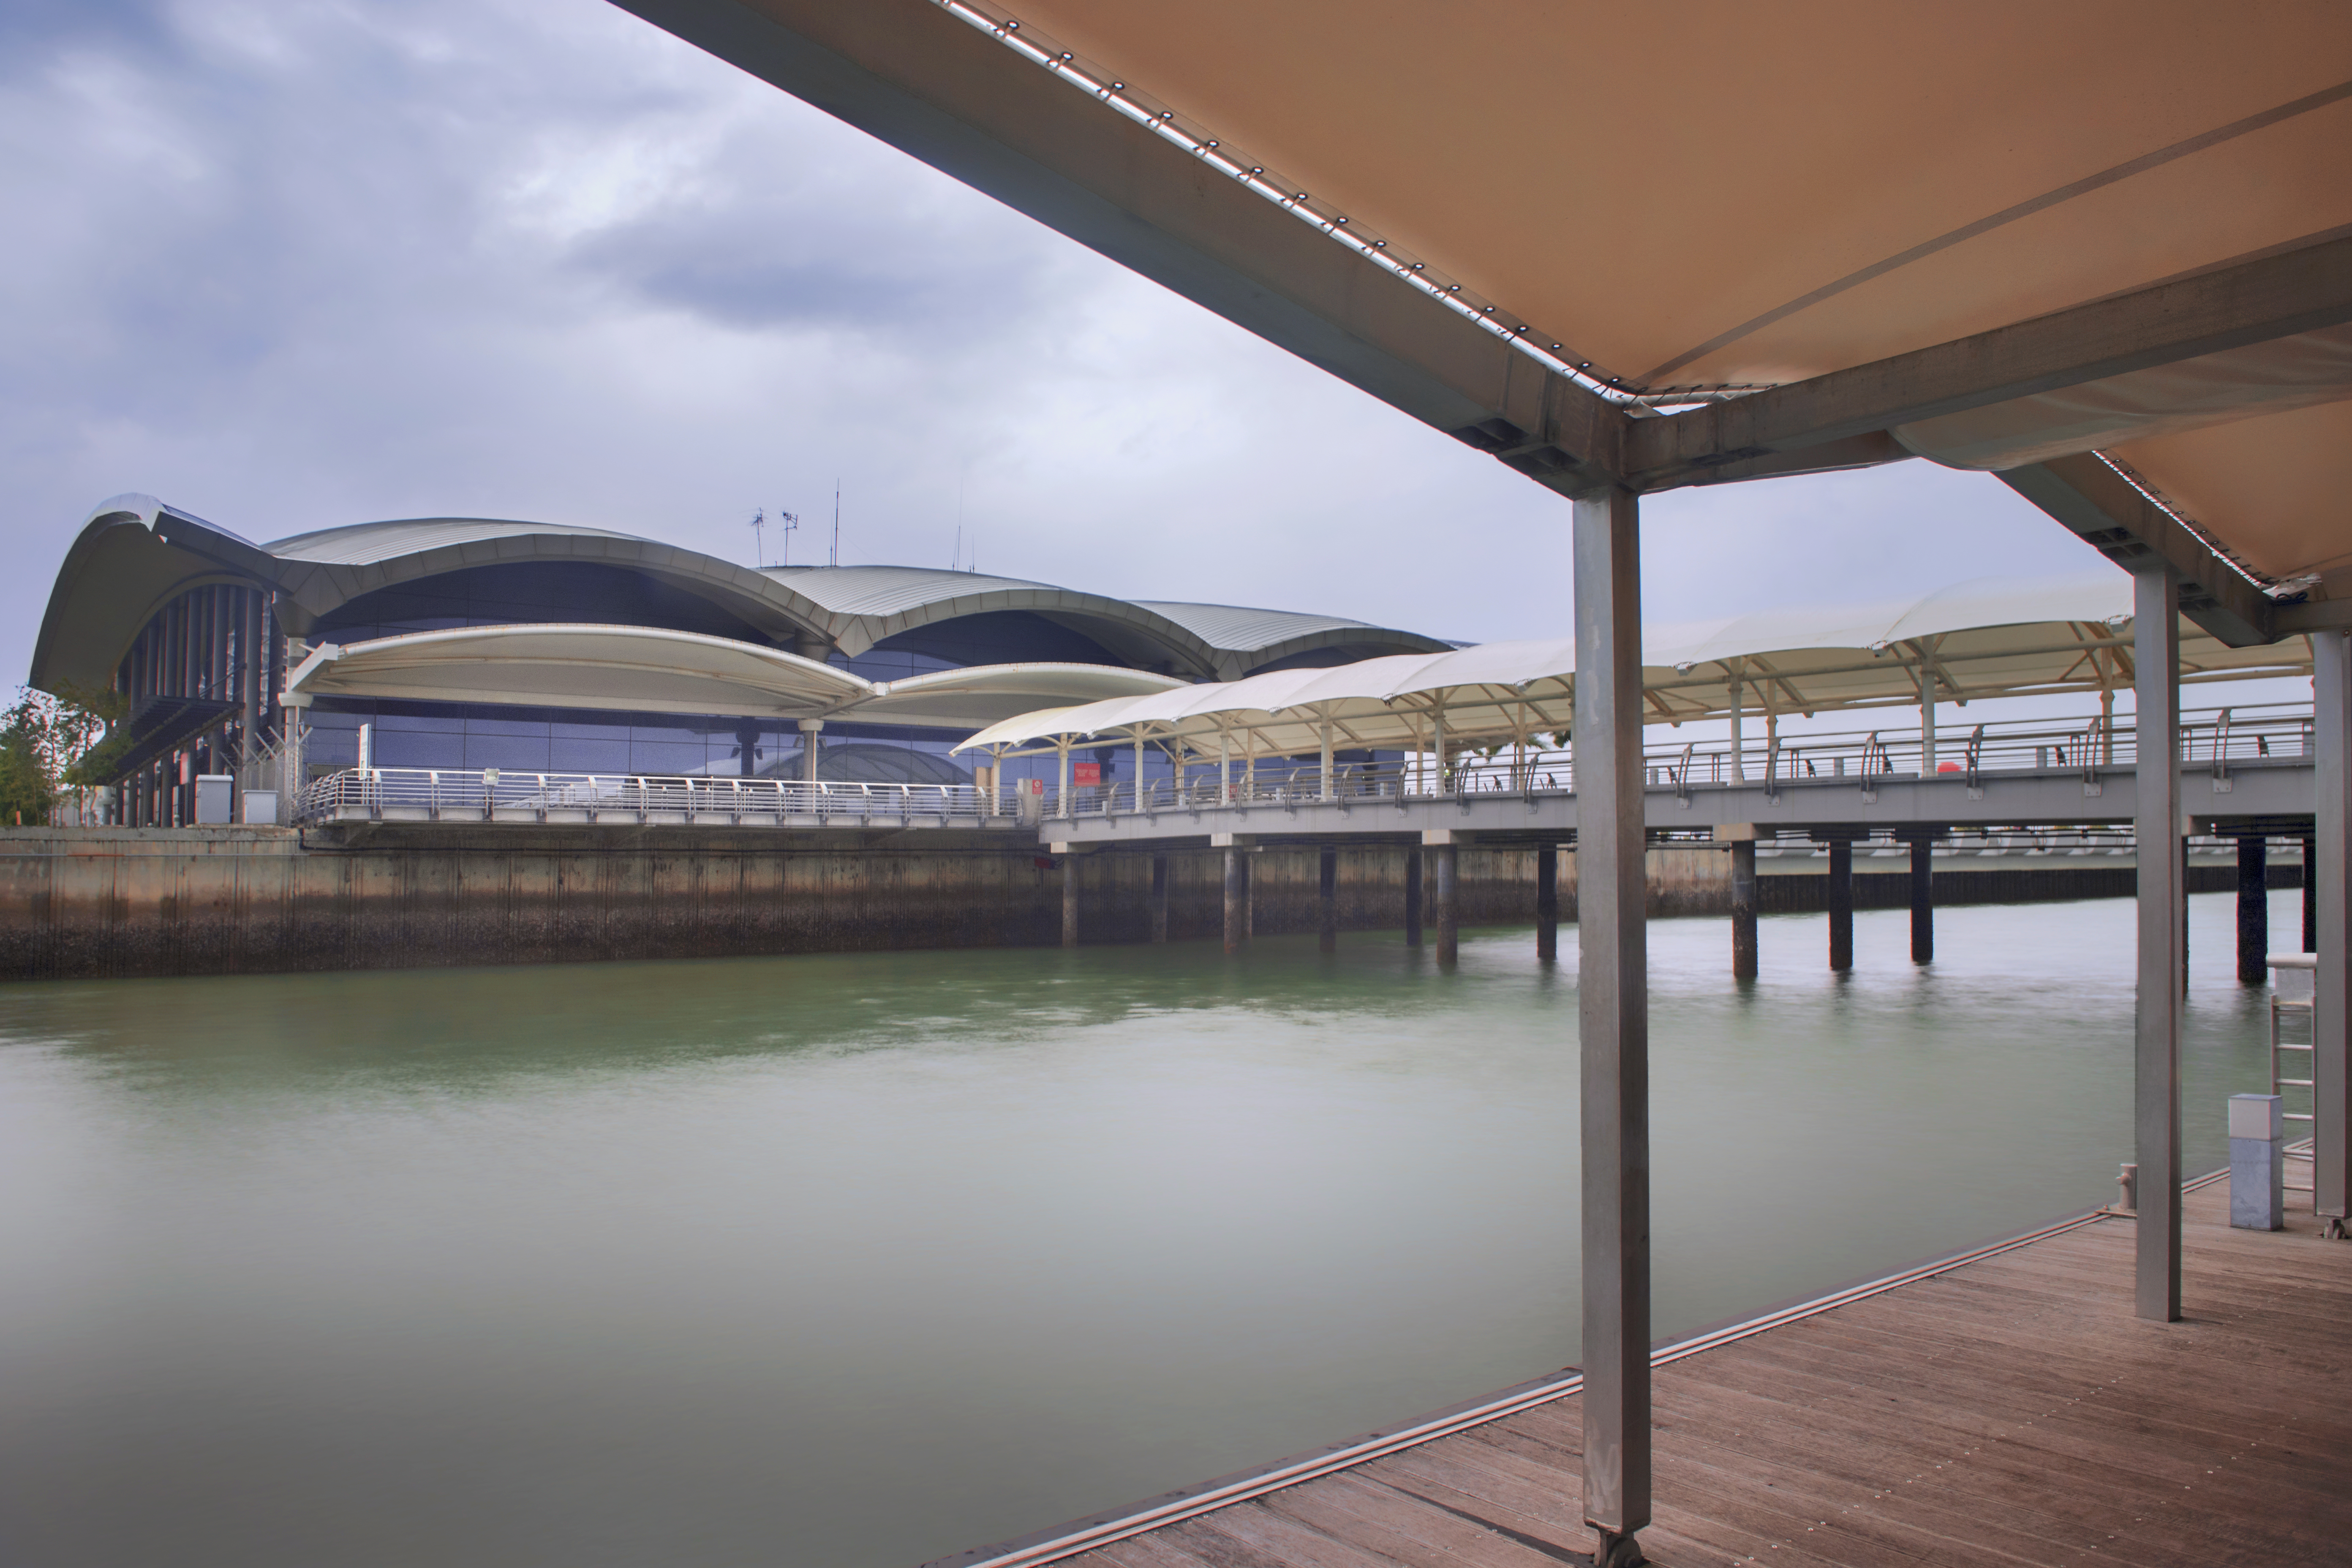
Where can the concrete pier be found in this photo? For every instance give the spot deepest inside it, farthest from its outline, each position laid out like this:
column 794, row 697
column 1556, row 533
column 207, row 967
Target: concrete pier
column 1327, row 876
column 1160, row 898
column 1841, row 904
column 1923, row 898
column 2253, row 910
column 1444, row 862
column 1743, row 909
column 1069, row 901
column 1236, row 892
column 1414, row 860
column 1547, row 904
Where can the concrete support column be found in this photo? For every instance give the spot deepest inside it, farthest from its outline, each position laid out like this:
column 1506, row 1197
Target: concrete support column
column 1069, row 899
column 1160, row 898
column 1412, row 869
column 809, row 746
column 1444, row 863
column 1236, row 871
column 1841, row 904
column 2253, row 910
column 1923, row 899
column 2331, row 871
column 1613, row 1022
column 1249, row 897
column 1743, row 909
column 1548, row 903
column 2156, row 650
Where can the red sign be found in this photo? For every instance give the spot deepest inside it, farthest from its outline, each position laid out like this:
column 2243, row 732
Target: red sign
column 1085, row 773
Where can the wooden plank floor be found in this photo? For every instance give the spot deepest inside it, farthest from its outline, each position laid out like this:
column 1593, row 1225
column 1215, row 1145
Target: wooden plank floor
column 2012, row 1411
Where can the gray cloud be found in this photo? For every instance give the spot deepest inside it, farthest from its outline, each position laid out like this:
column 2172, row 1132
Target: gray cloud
column 292, row 263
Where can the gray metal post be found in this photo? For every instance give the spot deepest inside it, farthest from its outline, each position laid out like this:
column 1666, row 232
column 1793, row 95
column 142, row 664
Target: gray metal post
column 1234, row 872
column 1923, row 899
column 1743, row 909
column 1160, row 898
column 2310, row 894
column 1444, row 863
column 1613, row 1022
column 1412, row 868
column 1840, row 892
column 2156, row 650
column 2254, row 909
column 1069, row 901
column 1548, row 903
column 2331, row 873
column 1328, row 895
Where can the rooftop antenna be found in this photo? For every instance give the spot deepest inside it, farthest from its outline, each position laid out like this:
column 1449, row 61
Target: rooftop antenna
column 836, row 522
column 955, row 561
column 788, row 523
column 759, row 540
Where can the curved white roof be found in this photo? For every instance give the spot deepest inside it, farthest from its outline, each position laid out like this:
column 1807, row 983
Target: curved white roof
column 134, row 554
column 654, row 670
column 1989, row 638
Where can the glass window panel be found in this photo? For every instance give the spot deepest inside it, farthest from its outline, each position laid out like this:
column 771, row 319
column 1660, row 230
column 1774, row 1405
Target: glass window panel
column 573, row 755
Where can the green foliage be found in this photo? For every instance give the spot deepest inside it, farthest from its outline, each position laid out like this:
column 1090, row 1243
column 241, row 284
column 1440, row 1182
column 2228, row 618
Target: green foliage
column 49, row 743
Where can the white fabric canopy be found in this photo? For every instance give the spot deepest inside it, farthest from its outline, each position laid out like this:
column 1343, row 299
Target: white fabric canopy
column 1989, row 638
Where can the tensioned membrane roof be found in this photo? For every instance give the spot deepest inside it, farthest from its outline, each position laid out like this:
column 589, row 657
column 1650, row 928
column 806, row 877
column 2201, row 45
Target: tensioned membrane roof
column 1722, row 241
column 134, row 554
column 652, row 670
column 1991, row 637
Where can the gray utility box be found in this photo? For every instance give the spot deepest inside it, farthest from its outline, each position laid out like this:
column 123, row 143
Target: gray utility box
column 260, row 807
column 215, row 803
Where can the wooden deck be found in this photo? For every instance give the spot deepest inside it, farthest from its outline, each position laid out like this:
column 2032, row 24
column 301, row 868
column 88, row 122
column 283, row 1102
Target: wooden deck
column 2007, row 1411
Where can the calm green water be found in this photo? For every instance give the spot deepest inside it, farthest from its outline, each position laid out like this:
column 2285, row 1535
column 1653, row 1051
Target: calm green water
column 860, row 1261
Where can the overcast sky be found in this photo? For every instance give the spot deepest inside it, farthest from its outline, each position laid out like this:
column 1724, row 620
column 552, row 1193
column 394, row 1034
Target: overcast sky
column 290, row 264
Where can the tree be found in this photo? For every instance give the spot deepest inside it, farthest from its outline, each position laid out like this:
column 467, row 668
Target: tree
column 53, row 743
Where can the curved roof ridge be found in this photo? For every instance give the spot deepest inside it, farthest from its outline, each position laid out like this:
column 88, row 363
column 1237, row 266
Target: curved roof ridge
column 421, row 532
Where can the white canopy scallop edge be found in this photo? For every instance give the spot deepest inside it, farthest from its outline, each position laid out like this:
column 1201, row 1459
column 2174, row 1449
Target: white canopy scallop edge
column 653, row 670
column 1985, row 638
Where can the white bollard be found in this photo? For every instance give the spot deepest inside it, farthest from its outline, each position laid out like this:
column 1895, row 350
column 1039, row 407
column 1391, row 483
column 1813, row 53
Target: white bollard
column 2257, row 1162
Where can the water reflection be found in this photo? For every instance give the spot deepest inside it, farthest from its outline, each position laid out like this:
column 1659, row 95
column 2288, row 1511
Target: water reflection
column 859, row 1259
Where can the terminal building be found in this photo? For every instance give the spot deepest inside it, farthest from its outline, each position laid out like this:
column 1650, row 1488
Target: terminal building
column 469, row 643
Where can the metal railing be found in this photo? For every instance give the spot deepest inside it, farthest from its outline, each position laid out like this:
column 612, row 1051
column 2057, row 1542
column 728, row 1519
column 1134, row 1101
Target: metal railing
column 2218, row 736
column 499, row 795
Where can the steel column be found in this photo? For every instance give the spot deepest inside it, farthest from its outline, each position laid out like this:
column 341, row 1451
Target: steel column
column 1412, row 869
column 2331, row 691
column 1743, row 909
column 1613, row 1021
column 1548, row 903
column 1328, row 891
column 1234, row 872
column 1922, row 900
column 2310, row 894
column 1445, row 861
column 2253, row 910
column 1841, row 898
column 2156, row 651
column 1160, row 898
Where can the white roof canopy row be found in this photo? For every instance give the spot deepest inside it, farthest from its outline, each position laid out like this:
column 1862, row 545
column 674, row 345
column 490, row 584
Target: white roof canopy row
column 2104, row 248
column 1992, row 638
column 650, row 670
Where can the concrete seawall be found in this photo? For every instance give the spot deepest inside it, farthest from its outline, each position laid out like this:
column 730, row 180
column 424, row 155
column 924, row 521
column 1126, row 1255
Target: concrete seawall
column 92, row 903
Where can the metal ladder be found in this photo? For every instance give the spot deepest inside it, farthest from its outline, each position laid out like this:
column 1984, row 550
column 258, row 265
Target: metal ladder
column 2294, row 976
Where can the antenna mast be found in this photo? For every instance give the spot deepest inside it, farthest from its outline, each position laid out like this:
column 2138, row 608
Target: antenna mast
column 789, row 523
column 836, row 522
column 758, row 538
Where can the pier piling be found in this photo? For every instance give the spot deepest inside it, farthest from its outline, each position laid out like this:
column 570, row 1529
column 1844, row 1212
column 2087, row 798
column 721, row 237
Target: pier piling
column 1923, row 899
column 1160, row 898
column 1413, row 872
column 1743, row 909
column 1069, row 901
column 1444, row 860
column 2253, row 910
column 1328, row 890
column 1840, row 901
column 1547, row 904
column 1236, row 869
